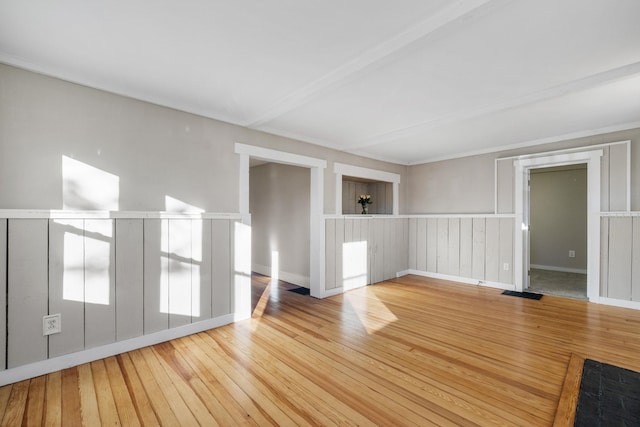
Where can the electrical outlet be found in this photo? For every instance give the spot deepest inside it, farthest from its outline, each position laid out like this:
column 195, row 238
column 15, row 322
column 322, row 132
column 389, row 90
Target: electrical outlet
column 505, row 266
column 572, row 254
column 52, row 324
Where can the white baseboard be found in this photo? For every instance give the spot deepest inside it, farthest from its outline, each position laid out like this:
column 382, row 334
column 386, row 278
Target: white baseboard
column 465, row 280
column 296, row 279
column 618, row 303
column 43, row 367
column 562, row 269
column 331, row 292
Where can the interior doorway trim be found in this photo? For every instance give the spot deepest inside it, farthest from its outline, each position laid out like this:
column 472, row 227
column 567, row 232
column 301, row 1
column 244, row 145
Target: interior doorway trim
column 523, row 165
column 316, row 232
column 341, row 169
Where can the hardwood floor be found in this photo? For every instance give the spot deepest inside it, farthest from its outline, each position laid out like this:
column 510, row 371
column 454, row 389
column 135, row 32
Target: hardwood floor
column 411, row 351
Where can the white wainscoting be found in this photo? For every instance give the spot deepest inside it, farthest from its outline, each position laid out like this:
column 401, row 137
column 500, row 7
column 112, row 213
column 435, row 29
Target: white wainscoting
column 469, row 248
column 363, row 249
column 113, row 277
column 620, row 258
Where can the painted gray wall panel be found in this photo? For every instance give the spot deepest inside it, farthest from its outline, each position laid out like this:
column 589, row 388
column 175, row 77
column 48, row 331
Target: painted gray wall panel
column 129, row 278
column 466, row 247
column 222, row 284
column 413, row 247
column 635, row 262
column 378, row 252
column 432, row 244
column 339, row 246
column 156, row 275
column 389, row 248
column 604, row 256
column 99, row 282
column 27, row 291
column 505, row 180
column 604, row 180
column 421, row 244
column 443, row 246
column 402, row 252
column 506, row 250
column 201, row 270
column 618, row 177
column 479, row 243
column 66, row 284
column 3, row 294
column 179, row 272
column 454, row 247
column 492, row 250
column 620, row 258
column 330, row 254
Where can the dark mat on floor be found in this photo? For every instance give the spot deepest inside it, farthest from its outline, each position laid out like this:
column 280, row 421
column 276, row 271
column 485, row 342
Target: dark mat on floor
column 609, row 396
column 527, row 295
column 301, row 291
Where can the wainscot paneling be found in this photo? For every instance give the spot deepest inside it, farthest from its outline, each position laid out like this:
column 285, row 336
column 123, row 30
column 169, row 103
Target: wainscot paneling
column 620, row 257
column 111, row 277
column 465, row 246
column 364, row 250
column 27, row 290
column 3, row 293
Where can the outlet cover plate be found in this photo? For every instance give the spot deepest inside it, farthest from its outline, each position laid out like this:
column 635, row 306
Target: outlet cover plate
column 52, row 324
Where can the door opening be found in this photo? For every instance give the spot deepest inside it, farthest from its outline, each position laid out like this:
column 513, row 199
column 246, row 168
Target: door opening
column 557, row 225
column 523, row 166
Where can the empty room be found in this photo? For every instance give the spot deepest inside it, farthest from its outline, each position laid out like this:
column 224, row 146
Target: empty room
column 320, row 213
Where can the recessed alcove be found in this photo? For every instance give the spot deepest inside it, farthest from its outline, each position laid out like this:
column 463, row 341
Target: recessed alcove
column 381, row 195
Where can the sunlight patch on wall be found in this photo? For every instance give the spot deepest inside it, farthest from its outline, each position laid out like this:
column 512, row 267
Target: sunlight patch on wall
column 85, row 187
column 275, row 268
column 97, row 258
column 73, row 261
column 242, row 269
column 354, row 265
column 176, row 205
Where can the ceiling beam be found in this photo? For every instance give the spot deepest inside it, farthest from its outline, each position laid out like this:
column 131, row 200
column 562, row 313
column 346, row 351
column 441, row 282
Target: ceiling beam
column 370, row 57
column 574, row 86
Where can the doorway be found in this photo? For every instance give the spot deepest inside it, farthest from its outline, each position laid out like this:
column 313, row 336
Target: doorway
column 316, row 204
column 523, row 166
column 558, row 231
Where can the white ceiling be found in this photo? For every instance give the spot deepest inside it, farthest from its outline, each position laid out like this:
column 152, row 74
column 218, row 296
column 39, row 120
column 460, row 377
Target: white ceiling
column 407, row 81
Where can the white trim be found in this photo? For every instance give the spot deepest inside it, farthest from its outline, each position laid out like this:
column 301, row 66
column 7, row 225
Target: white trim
column 619, row 303
column 561, row 269
column 285, row 276
column 332, row 292
column 522, row 166
column 479, row 215
column 630, row 213
column 458, row 279
column 316, row 202
column 342, row 169
column 628, row 176
column 279, row 156
column 66, row 214
column 43, row 367
column 360, row 172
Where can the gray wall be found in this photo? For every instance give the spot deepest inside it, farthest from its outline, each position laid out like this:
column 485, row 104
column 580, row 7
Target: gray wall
column 279, row 205
column 154, row 151
column 559, row 218
column 466, row 185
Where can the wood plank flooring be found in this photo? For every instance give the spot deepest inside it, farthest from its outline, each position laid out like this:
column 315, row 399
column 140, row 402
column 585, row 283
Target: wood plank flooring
column 411, row 351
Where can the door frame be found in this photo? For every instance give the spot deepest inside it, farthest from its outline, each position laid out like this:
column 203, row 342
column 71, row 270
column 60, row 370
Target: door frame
column 523, row 166
column 316, row 211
